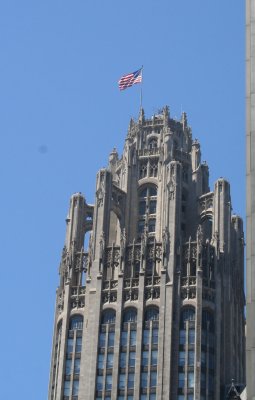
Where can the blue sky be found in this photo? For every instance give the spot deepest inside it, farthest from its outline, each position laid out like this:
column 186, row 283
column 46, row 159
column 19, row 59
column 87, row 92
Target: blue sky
column 62, row 113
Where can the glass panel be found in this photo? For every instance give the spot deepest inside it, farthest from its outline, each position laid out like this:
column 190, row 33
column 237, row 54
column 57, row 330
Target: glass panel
column 152, row 225
column 182, row 337
column 69, row 348
column 180, row 397
column 77, row 363
column 141, row 226
column 181, row 358
column 152, row 396
column 153, row 382
column 75, row 388
column 143, row 193
column 203, row 380
column 191, row 358
column 152, row 314
column 131, row 379
column 78, row 345
column 130, row 315
column 102, row 337
column 152, row 191
column 99, row 383
column 109, row 362
column 108, row 317
column 68, row 368
column 203, row 359
column 143, row 397
column 191, row 379
column 211, row 383
column 153, row 207
column 67, row 388
column 211, row 361
column 132, row 338
column 132, row 357
column 123, row 338
column 76, row 322
column 108, row 382
column 146, row 336
column 211, row 340
column 144, row 379
column 191, row 336
column 142, row 207
column 123, row 358
column 181, row 379
column 191, row 397
column 122, row 378
column 121, row 397
column 145, row 358
column 203, row 338
column 111, row 339
column 100, row 361
column 154, row 357
column 154, row 336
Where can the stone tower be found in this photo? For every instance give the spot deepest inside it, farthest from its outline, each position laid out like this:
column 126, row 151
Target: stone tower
column 250, row 195
column 154, row 307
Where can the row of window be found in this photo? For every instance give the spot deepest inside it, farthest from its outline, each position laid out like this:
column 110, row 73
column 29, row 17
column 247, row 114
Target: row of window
column 127, row 355
column 187, row 353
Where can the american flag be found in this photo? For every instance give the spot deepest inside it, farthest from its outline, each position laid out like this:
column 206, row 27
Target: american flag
column 130, row 79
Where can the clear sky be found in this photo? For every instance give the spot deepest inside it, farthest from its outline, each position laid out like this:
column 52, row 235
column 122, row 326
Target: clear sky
column 61, row 113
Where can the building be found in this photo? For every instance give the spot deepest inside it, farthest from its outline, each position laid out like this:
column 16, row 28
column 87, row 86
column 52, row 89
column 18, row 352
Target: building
column 250, row 196
column 154, row 308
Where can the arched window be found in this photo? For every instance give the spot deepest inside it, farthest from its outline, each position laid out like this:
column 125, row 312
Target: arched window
column 105, row 353
column 108, row 317
column 76, row 322
column 149, row 364
column 186, row 353
column 153, row 143
column 127, row 355
column 208, row 354
column 147, row 209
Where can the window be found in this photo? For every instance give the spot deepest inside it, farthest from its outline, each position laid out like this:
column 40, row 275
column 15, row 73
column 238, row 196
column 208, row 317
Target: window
column 207, row 352
column 99, row 383
column 132, row 357
column 130, row 315
column 108, row 384
column 67, row 388
column 108, row 317
column 76, row 322
column 75, row 388
column 186, row 350
column 123, row 360
column 78, row 344
column 105, row 344
column 131, row 380
column 145, row 358
column 109, row 362
column 132, row 338
column 153, row 381
column 122, row 379
column 124, row 338
column 153, row 143
column 151, row 314
column 69, row 347
column 77, row 363
column 111, row 339
column 147, row 208
column 100, row 361
column 144, row 379
column 154, row 357
column 68, row 367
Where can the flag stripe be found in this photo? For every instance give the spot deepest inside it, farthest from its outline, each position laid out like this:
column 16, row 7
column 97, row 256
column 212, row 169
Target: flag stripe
column 130, row 79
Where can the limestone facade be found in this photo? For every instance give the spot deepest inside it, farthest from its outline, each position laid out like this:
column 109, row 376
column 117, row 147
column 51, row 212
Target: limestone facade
column 154, row 307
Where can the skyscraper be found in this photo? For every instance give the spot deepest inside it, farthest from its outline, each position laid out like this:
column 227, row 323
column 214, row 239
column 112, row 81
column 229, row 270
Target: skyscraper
column 154, row 307
column 250, row 195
